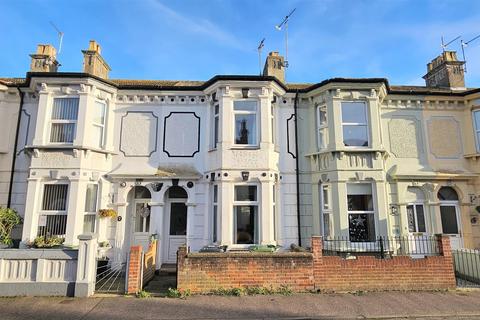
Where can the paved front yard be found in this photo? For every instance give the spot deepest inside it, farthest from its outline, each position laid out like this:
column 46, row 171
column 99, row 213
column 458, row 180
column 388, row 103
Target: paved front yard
column 398, row 305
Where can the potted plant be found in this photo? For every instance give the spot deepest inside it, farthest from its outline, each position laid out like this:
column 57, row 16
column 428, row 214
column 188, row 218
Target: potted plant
column 47, row 242
column 9, row 218
column 107, row 213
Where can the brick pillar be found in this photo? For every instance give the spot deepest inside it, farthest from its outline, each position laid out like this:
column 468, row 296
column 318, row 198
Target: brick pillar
column 317, row 247
column 181, row 269
column 134, row 270
column 317, row 261
column 446, row 251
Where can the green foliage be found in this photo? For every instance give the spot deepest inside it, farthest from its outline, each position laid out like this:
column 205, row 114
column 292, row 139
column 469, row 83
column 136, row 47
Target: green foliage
column 47, row 242
column 143, row 294
column 178, row 293
column 251, row 291
column 284, row 290
column 9, row 218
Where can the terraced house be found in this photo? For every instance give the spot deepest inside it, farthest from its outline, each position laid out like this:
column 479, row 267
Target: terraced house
column 238, row 160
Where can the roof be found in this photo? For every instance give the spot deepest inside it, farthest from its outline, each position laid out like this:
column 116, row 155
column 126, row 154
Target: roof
column 134, row 84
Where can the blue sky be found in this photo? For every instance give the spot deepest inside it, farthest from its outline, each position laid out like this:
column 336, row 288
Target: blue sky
column 195, row 40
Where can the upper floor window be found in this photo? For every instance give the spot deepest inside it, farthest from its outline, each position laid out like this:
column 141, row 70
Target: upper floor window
column 216, row 125
column 321, row 127
column 99, row 124
column 245, row 112
column 272, row 120
column 355, row 124
column 476, row 122
column 63, row 120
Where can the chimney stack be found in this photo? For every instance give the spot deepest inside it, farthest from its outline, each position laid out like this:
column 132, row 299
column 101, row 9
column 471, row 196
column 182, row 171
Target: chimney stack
column 274, row 66
column 45, row 59
column 93, row 62
column 445, row 71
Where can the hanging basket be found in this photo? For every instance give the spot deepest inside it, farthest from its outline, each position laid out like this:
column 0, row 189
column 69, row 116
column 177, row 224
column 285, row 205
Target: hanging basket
column 107, row 213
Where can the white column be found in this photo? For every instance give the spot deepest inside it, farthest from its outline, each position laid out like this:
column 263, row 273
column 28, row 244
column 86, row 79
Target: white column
column 75, row 211
column 120, row 247
column 225, row 205
column 110, row 123
column 263, row 112
column 84, row 123
column 32, row 208
column 266, row 219
column 190, row 222
column 317, row 211
column 43, row 116
column 86, row 266
column 156, row 227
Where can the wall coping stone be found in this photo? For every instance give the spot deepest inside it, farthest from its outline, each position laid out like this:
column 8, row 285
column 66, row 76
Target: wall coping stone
column 31, row 254
column 250, row 255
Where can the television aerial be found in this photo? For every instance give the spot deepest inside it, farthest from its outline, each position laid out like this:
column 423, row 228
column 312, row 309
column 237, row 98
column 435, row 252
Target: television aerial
column 463, row 45
column 284, row 25
column 259, row 48
column 60, row 37
column 445, row 45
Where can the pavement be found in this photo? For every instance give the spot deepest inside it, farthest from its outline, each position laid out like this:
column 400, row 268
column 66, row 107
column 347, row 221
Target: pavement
column 376, row 305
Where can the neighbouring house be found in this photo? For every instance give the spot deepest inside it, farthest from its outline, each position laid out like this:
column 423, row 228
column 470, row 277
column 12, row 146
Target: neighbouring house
column 238, row 160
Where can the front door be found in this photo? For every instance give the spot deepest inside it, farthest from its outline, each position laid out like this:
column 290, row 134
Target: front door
column 176, row 229
column 141, row 224
column 449, row 215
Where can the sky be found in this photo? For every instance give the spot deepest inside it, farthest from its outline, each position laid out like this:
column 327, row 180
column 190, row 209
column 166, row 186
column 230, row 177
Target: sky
column 198, row 39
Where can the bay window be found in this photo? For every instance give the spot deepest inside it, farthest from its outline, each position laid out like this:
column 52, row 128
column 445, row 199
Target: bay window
column 245, row 114
column 321, row 127
column 63, row 120
column 98, row 124
column 215, row 213
column 245, row 208
column 355, row 124
column 326, row 210
column 91, row 196
column 53, row 217
column 216, row 125
column 361, row 214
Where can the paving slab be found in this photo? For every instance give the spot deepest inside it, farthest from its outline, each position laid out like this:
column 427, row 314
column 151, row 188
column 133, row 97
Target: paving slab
column 384, row 305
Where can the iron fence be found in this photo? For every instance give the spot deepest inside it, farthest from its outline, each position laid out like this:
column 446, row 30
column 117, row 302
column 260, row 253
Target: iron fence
column 467, row 267
column 111, row 277
column 383, row 247
column 53, row 225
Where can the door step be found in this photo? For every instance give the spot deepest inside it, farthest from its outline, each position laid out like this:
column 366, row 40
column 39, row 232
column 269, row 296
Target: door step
column 168, row 269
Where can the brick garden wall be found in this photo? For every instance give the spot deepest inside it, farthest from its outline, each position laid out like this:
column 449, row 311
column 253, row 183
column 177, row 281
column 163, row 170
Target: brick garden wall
column 204, row 272
column 140, row 271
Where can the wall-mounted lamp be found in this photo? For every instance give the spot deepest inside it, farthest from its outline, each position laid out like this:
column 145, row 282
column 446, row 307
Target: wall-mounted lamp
column 245, row 175
column 245, row 93
column 393, row 210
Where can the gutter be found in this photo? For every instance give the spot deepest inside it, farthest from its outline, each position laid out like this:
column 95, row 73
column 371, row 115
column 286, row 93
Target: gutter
column 297, row 174
column 14, row 156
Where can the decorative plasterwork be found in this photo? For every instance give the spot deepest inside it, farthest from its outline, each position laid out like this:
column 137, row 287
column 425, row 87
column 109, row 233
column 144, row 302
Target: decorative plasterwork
column 181, row 134
column 418, row 104
column 138, row 134
column 440, row 131
column 161, row 99
column 405, row 136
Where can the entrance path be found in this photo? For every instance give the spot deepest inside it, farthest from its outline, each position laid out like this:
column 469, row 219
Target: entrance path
column 391, row 305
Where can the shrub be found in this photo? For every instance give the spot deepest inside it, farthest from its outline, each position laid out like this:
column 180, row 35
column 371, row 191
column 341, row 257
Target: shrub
column 9, row 218
column 47, row 242
column 107, row 213
column 178, row 293
column 143, row 294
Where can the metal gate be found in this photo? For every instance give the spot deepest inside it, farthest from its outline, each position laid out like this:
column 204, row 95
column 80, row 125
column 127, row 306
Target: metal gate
column 111, row 277
column 467, row 267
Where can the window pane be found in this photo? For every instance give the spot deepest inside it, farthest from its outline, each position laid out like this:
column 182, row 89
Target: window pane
column 215, row 193
column 359, row 202
column 322, row 117
column 245, row 105
column 361, row 227
column 245, row 131
column 99, row 112
column 245, row 193
column 214, row 233
column 142, row 217
column 215, row 134
column 326, row 225
column 354, row 112
column 447, row 193
column 55, row 225
column 325, row 197
column 476, row 116
column 217, row 109
column 97, row 136
column 449, row 219
column 91, row 198
column 178, row 219
column 412, row 226
column 55, row 197
column 142, row 193
column 177, row 192
column 62, row 132
column 246, row 224
column 420, row 218
column 355, row 136
column 65, row 109
column 321, row 138
column 89, row 223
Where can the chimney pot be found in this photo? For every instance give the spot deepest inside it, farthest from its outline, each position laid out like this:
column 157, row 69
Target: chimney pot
column 93, row 62
column 445, row 71
column 275, row 66
column 45, row 59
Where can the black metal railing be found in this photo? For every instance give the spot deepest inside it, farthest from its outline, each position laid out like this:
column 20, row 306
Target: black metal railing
column 383, row 247
column 467, row 267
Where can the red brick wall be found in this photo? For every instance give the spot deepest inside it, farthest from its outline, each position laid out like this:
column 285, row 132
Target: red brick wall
column 204, row 272
column 134, row 270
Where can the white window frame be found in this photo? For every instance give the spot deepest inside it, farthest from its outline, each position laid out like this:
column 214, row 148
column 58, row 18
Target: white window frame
column 215, row 213
column 57, row 121
column 477, row 130
column 92, row 213
column 43, row 212
column 322, row 128
column 326, row 209
column 257, row 123
column 275, row 211
column 415, row 216
column 273, row 129
column 366, row 124
column 215, row 129
column 101, row 125
column 256, row 232
column 372, row 212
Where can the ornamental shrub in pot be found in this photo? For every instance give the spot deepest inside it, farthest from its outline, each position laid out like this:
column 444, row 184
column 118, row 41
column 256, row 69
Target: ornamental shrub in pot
column 9, row 218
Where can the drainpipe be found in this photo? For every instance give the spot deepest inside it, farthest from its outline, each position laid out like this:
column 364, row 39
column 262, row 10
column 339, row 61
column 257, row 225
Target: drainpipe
column 299, row 229
column 14, row 157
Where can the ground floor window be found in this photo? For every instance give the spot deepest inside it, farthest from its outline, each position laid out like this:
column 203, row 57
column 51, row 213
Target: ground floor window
column 246, row 214
column 53, row 217
column 416, row 218
column 215, row 213
column 142, row 217
column 361, row 214
column 91, row 196
column 326, row 210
